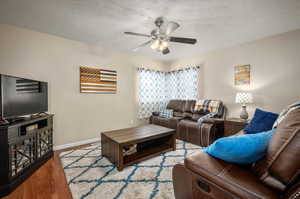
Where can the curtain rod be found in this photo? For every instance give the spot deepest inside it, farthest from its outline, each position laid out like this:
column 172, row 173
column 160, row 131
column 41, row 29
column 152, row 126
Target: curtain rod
column 181, row 69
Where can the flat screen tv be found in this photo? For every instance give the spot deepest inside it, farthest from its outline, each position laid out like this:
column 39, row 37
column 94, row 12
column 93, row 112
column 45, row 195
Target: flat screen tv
column 19, row 97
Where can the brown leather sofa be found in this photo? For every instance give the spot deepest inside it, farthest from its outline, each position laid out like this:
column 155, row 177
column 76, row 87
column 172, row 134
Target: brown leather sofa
column 186, row 126
column 275, row 176
column 178, row 107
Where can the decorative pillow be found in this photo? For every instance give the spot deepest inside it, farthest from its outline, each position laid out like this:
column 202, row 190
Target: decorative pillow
column 166, row 113
column 208, row 106
column 262, row 121
column 243, row 149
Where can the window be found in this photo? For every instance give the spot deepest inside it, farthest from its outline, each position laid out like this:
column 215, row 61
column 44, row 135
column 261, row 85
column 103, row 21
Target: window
column 152, row 95
column 156, row 88
column 183, row 84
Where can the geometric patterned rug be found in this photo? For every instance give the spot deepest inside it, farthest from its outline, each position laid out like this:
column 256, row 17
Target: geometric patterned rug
column 90, row 175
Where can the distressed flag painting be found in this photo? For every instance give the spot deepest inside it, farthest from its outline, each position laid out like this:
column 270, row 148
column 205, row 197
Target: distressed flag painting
column 96, row 80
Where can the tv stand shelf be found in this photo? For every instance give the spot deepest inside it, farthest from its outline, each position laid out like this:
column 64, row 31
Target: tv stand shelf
column 24, row 147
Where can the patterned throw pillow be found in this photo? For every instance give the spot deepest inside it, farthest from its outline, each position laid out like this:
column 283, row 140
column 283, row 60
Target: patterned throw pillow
column 212, row 106
column 166, row 113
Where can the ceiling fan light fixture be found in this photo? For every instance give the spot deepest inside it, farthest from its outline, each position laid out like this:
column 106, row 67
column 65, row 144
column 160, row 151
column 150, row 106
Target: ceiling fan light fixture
column 155, row 45
column 160, row 36
column 165, row 44
column 162, row 47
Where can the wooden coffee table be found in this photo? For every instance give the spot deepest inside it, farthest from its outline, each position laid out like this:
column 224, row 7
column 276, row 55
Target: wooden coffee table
column 113, row 142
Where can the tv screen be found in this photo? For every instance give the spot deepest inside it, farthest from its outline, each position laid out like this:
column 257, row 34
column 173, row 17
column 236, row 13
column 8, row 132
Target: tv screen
column 22, row 96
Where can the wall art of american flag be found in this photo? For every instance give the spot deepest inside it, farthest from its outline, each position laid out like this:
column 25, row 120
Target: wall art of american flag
column 96, row 80
column 27, row 86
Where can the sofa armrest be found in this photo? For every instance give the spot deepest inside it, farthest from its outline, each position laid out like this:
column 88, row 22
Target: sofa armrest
column 156, row 113
column 239, row 181
column 182, row 182
column 213, row 121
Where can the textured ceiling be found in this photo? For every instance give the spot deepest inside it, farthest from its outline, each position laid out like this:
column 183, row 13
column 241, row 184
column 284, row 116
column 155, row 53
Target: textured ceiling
column 215, row 23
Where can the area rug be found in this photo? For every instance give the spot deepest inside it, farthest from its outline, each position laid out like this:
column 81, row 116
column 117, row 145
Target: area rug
column 90, row 175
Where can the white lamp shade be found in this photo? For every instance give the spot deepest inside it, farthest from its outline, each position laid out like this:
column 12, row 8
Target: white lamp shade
column 155, row 44
column 244, row 98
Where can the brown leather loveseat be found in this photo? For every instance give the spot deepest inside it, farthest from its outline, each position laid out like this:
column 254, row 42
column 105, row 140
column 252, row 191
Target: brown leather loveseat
column 184, row 121
column 276, row 176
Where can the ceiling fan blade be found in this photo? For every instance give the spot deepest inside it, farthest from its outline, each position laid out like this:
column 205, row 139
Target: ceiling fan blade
column 171, row 27
column 183, row 40
column 137, row 34
column 165, row 51
column 142, row 45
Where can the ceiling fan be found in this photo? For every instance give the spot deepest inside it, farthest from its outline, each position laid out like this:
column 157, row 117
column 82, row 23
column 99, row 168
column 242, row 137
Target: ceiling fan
column 160, row 36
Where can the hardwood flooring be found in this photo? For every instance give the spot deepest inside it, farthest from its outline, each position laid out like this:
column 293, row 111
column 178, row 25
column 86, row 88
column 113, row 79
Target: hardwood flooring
column 48, row 182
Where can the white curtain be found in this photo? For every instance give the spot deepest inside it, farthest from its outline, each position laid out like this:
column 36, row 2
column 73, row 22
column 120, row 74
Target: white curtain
column 156, row 88
column 151, row 95
column 183, row 84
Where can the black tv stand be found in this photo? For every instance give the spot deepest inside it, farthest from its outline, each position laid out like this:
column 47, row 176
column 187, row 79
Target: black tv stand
column 4, row 122
column 17, row 119
column 24, row 118
column 24, row 146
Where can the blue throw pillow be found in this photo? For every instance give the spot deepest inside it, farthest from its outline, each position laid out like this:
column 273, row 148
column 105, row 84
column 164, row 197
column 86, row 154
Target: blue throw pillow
column 262, row 121
column 243, row 149
column 166, row 113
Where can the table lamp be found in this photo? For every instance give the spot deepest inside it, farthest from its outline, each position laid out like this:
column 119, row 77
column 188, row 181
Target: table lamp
column 244, row 98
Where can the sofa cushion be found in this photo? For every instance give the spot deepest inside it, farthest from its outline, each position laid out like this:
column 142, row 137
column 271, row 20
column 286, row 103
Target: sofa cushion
column 188, row 115
column 160, row 121
column 262, row 121
column 178, row 114
column 239, row 181
column 169, row 123
column 189, row 106
column 253, row 147
column 176, row 105
column 197, row 116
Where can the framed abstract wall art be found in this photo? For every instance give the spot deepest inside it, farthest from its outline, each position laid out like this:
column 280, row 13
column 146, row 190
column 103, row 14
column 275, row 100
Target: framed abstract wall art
column 242, row 74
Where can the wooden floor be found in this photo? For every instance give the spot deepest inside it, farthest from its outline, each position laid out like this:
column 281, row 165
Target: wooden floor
column 48, row 182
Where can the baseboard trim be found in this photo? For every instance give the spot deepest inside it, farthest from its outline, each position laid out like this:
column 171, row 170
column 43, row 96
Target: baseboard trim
column 65, row 146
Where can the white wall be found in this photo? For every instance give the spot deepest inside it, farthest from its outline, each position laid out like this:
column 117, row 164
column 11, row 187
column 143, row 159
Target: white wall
column 275, row 75
column 56, row 60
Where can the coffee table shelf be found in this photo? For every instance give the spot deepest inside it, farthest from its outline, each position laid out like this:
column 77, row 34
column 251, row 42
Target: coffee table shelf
column 146, row 154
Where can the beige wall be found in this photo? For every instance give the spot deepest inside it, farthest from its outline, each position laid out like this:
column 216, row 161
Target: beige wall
column 56, row 60
column 275, row 77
